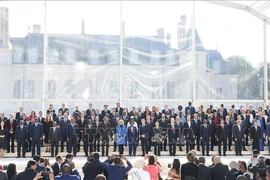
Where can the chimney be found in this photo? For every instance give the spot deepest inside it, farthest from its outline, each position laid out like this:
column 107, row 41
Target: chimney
column 4, row 28
column 181, row 32
column 82, row 26
column 160, row 33
column 36, row 29
column 169, row 40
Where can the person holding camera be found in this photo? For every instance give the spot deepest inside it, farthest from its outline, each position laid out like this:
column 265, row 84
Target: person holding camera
column 66, row 170
column 92, row 169
column 259, row 169
column 117, row 170
column 30, row 171
column 153, row 168
column 242, row 170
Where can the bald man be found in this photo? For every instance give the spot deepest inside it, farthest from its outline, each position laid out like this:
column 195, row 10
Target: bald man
column 219, row 170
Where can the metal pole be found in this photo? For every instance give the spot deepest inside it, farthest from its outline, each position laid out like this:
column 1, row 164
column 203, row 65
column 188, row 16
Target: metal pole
column 121, row 52
column 44, row 58
column 265, row 64
column 193, row 55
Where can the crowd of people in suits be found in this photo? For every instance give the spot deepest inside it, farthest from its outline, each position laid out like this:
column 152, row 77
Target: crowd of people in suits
column 119, row 127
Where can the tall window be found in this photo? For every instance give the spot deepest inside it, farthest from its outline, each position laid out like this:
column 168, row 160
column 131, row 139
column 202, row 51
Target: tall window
column 93, row 88
column 52, row 89
column 170, row 90
column 155, row 90
column 71, row 56
column 17, row 89
column 219, row 92
column 70, row 92
column 30, row 93
column 113, row 89
column 18, row 55
column 53, row 56
column 93, row 57
column 33, row 55
column 155, row 57
column 134, row 90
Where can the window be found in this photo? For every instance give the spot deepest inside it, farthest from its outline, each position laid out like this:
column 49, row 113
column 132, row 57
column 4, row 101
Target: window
column 133, row 58
column 30, row 92
column 113, row 89
column 52, row 89
column 219, row 93
column 71, row 56
column 155, row 57
column 93, row 57
column 93, row 88
column 53, row 56
column 216, row 66
column 134, row 90
column 170, row 90
column 18, row 55
column 70, row 93
column 17, row 89
column 155, row 90
column 113, row 57
column 33, row 55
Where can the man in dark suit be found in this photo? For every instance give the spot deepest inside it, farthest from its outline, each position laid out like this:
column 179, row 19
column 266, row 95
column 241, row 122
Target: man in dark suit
column 219, row 171
column 64, row 109
column 92, row 169
column 197, row 123
column 211, row 124
column 82, row 122
column 88, row 138
column 238, row 135
column 133, row 137
column 97, row 125
column 180, row 126
column 222, row 136
column 41, row 119
column 106, row 136
column 205, row 134
column 40, row 166
column 119, row 109
column 88, row 111
column 191, row 108
column 29, row 172
column 164, row 111
column 19, row 114
column 2, row 117
column 189, row 135
column 28, row 143
column 163, row 122
column 3, row 175
column 234, row 169
column 57, row 165
column 157, row 138
column 173, row 136
column 105, row 111
column 190, row 170
column 144, row 135
column 72, row 136
column 21, row 136
column 11, row 125
column 204, row 171
column 54, row 138
column 63, row 127
column 230, row 128
column 255, row 136
column 36, row 135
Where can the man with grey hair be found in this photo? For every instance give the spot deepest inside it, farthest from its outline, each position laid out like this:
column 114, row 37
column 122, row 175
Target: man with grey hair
column 234, row 168
column 220, row 170
column 137, row 172
column 260, row 165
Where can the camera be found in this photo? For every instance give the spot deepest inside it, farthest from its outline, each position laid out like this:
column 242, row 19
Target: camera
column 262, row 172
column 45, row 175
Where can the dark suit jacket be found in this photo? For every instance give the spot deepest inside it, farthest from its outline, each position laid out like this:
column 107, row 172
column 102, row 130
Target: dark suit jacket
column 3, row 175
column 40, row 168
column 192, row 110
column 120, row 111
column 55, row 168
column 63, row 110
column 229, row 175
column 255, row 135
column 63, row 126
column 89, row 134
column 54, row 136
column 219, row 171
column 189, row 170
column 36, row 132
column 14, row 124
column 236, row 134
column 197, row 127
column 18, row 116
column 72, row 133
column 204, row 172
column 104, row 112
column 203, row 135
column 189, row 131
column 21, row 135
column 144, row 131
column 27, row 174
column 172, row 134
column 92, row 169
column 222, row 133
column 132, row 136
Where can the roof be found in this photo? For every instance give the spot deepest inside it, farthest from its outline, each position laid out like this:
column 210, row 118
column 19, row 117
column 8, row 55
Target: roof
column 198, row 42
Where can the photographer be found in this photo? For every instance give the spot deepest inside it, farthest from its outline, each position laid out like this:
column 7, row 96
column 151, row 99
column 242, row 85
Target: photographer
column 254, row 162
column 259, row 169
column 66, row 174
column 116, row 170
column 153, row 168
column 242, row 170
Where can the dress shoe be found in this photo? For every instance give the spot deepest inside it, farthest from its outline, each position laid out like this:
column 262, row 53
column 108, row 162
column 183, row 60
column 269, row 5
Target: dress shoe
column 224, row 155
column 244, row 149
column 240, row 154
column 18, row 156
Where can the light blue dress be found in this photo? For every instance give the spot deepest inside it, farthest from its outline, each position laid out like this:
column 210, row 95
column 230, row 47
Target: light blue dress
column 121, row 132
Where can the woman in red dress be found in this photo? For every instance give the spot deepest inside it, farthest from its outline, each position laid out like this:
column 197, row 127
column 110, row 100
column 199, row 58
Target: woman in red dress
column 33, row 116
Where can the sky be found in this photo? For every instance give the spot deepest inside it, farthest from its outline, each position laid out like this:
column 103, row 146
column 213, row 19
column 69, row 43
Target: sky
column 231, row 31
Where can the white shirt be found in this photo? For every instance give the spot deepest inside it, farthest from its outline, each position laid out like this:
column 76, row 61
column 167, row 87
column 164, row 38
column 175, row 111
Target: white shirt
column 134, row 125
column 140, row 174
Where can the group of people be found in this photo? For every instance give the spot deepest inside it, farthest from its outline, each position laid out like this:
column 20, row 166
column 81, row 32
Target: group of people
column 119, row 127
column 118, row 167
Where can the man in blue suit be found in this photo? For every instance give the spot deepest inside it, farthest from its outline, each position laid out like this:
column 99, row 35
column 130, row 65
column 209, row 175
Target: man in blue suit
column 63, row 127
column 191, row 108
column 144, row 135
column 36, row 136
column 132, row 135
column 238, row 135
column 21, row 136
column 205, row 134
column 72, row 136
column 66, row 174
column 29, row 172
